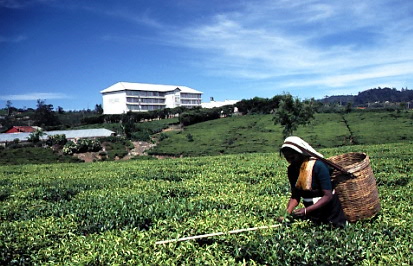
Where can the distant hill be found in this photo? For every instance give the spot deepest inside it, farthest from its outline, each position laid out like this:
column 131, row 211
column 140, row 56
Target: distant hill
column 373, row 95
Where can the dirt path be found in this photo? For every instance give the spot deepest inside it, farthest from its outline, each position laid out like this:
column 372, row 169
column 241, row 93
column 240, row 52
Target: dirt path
column 140, row 148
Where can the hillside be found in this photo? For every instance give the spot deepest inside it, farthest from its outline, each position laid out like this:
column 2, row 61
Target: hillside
column 257, row 133
column 376, row 95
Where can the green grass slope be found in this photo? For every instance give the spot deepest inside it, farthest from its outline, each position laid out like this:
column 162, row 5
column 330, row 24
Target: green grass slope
column 33, row 155
column 112, row 213
column 257, row 133
column 241, row 134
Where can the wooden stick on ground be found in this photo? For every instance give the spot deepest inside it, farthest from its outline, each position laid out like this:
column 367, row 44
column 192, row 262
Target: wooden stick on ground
column 216, row 234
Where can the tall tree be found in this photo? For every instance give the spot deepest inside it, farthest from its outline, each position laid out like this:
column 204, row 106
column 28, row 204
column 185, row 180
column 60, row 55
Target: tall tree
column 98, row 109
column 44, row 115
column 292, row 112
column 9, row 107
column 60, row 110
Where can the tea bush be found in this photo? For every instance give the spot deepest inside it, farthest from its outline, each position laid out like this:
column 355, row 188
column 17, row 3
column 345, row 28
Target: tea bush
column 114, row 212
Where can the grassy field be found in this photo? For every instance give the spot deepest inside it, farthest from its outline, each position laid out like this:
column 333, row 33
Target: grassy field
column 112, row 213
column 257, row 133
column 32, row 155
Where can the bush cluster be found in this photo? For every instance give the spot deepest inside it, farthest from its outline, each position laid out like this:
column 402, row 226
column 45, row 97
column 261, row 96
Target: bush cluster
column 59, row 139
column 199, row 115
column 82, row 145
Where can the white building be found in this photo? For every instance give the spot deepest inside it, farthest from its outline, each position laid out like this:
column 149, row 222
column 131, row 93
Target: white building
column 70, row 135
column 123, row 97
column 213, row 103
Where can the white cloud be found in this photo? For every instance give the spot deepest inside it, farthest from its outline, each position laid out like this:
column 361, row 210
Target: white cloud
column 333, row 44
column 34, row 96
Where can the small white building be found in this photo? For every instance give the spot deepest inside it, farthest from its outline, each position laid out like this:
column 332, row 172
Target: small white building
column 213, row 103
column 70, row 135
column 123, row 97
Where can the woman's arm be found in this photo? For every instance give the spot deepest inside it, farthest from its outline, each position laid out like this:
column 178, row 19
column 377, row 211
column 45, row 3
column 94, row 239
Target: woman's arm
column 327, row 196
column 292, row 203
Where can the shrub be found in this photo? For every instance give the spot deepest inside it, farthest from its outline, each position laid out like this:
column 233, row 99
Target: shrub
column 189, row 137
column 69, row 148
column 35, row 136
column 141, row 135
column 199, row 115
column 81, row 146
column 162, row 136
column 59, row 139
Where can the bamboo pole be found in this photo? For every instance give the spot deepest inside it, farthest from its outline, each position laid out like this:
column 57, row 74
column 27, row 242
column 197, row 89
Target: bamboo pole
column 237, row 231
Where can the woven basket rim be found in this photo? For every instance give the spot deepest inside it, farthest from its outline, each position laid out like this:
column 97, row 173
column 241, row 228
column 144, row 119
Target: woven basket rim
column 355, row 166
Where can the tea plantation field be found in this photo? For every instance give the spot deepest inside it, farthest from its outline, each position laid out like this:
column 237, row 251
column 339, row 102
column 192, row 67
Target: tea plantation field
column 113, row 213
column 257, row 133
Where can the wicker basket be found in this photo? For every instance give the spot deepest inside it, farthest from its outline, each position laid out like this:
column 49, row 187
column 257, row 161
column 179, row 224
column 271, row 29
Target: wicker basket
column 356, row 191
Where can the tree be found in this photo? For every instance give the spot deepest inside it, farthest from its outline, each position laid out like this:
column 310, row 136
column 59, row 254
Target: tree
column 60, row 110
column 348, row 108
column 292, row 112
column 258, row 105
column 35, row 136
column 98, row 109
column 9, row 107
column 44, row 115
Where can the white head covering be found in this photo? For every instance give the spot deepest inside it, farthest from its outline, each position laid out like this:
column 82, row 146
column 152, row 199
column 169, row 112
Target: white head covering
column 299, row 142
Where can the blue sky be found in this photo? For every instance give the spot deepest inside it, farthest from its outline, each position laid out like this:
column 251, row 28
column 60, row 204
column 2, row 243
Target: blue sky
column 65, row 51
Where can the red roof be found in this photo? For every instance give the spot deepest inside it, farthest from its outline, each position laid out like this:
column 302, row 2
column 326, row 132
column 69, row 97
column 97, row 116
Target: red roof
column 16, row 129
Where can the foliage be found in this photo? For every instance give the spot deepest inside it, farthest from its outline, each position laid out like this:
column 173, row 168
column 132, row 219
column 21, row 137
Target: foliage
column 44, row 115
column 136, row 117
column 58, row 139
column 72, row 119
column 199, row 115
column 189, row 137
column 32, row 155
column 258, row 105
column 116, row 146
column 371, row 96
column 257, row 133
column 35, row 136
column 136, row 130
column 9, row 107
column 69, row 148
column 116, row 150
column 91, row 120
column 112, row 213
column 98, row 109
column 237, row 134
column 383, row 95
column 292, row 112
column 82, row 145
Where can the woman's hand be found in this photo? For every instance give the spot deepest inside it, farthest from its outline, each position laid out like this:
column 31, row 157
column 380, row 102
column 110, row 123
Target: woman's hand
column 300, row 212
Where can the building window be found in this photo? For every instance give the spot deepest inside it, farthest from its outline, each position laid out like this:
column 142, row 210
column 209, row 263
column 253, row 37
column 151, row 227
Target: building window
column 145, row 93
column 133, row 107
column 151, row 107
column 191, row 95
column 132, row 100
column 153, row 101
column 191, row 102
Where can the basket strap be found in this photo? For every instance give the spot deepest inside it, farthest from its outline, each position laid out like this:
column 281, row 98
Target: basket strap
column 334, row 165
